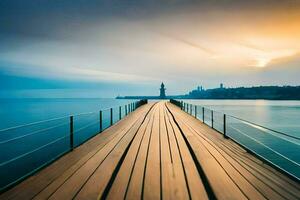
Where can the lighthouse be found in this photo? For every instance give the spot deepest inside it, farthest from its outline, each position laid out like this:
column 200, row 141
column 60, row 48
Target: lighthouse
column 162, row 91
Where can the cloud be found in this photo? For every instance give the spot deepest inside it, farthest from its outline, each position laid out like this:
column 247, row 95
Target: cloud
column 191, row 44
column 187, row 42
column 72, row 73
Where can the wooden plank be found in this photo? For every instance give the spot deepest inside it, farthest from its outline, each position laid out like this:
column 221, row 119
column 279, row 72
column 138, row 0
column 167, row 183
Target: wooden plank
column 120, row 184
column 247, row 183
column 167, row 179
column 264, row 184
column 110, row 133
column 51, row 188
column 152, row 184
column 180, row 187
column 220, row 182
column 135, row 186
column 268, row 185
column 94, row 187
column 280, row 186
column 196, row 187
column 268, row 169
column 71, row 186
column 174, row 185
column 32, row 186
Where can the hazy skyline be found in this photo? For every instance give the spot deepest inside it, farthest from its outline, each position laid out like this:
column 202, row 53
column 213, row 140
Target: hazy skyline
column 129, row 47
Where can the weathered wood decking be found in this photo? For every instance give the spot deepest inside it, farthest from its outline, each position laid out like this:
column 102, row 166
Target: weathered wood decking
column 157, row 152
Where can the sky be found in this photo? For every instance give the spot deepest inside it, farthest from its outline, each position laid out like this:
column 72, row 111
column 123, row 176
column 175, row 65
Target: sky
column 105, row 48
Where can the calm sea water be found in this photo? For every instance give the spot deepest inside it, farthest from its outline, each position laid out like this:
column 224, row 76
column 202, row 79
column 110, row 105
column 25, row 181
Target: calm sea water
column 22, row 111
column 278, row 115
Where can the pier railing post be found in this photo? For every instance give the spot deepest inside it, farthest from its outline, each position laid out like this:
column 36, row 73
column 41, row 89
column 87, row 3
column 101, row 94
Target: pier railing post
column 100, row 121
column 203, row 114
column 195, row 111
column 224, row 126
column 181, row 105
column 187, row 108
column 120, row 112
column 111, row 116
column 71, row 133
column 125, row 109
column 212, row 118
column 191, row 109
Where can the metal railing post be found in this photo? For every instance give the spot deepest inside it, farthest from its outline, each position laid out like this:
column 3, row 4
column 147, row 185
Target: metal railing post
column 224, row 126
column 203, row 114
column 71, row 133
column 111, row 116
column 120, row 112
column 191, row 109
column 187, row 108
column 195, row 111
column 125, row 109
column 212, row 118
column 100, row 121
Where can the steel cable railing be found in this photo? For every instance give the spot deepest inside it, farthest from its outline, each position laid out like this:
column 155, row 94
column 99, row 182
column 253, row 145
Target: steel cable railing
column 26, row 148
column 278, row 132
column 32, row 151
column 32, row 133
column 260, row 143
column 278, row 148
column 30, row 124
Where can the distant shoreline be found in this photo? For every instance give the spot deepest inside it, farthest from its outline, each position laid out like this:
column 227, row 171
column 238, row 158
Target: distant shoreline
column 167, row 98
column 240, row 93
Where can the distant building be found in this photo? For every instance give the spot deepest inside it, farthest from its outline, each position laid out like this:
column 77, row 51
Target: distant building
column 162, row 91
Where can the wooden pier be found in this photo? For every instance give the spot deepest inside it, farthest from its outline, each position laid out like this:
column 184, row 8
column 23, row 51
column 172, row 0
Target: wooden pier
column 157, row 152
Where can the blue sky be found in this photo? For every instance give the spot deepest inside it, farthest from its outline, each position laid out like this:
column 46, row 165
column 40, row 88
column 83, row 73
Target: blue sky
column 104, row 48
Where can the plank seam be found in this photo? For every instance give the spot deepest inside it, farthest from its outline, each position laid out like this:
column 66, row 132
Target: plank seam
column 129, row 180
column 200, row 134
column 108, row 155
column 183, row 167
column 116, row 170
column 205, row 181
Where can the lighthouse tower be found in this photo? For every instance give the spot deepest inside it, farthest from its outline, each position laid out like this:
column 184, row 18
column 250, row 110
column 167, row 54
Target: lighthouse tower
column 162, row 91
